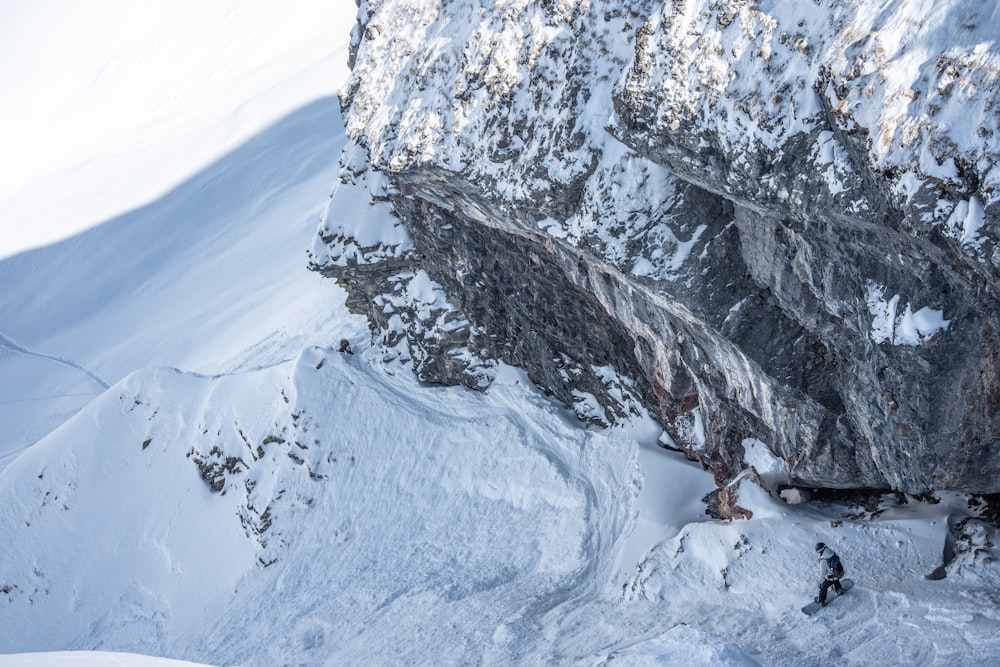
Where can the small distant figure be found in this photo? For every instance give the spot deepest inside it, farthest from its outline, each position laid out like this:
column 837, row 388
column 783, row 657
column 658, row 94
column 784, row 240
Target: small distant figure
column 832, row 570
column 345, row 347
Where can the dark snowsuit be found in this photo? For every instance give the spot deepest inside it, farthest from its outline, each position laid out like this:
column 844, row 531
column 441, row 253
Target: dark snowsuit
column 831, row 577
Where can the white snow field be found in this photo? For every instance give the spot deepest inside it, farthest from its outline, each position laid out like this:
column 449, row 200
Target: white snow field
column 189, row 471
column 179, row 162
column 90, row 659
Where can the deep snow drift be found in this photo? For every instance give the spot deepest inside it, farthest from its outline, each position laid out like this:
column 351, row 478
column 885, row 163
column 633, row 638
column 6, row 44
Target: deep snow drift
column 189, row 470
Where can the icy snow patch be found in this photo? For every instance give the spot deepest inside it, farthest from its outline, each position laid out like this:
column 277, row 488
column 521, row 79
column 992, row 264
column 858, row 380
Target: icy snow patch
column 770, row 468
column 691, row 427
column 831, row 159
column 906, row 328
column 966, row 220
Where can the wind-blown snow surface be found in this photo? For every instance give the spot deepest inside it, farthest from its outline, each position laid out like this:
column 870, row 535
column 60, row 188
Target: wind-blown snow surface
column 274, row 502
column 430, row 520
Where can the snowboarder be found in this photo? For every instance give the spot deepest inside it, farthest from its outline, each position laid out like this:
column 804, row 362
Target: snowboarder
column 345, row 346
column 832, row 570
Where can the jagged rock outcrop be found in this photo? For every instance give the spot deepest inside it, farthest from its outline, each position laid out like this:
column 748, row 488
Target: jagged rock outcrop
column 778, row 223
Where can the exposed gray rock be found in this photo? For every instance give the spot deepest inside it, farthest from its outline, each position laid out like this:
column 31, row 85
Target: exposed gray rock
column 779, row 253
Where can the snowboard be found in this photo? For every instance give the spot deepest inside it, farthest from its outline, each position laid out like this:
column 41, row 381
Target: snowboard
column 813, row 607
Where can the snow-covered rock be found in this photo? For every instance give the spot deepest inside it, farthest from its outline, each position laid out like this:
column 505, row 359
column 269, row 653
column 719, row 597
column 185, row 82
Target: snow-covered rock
column 790, row 236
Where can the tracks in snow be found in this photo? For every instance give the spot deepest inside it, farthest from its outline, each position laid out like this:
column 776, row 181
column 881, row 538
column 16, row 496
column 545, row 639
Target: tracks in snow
column 13, row 345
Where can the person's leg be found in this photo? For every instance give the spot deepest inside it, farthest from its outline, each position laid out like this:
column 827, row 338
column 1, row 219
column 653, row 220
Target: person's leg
column 823, row 588
column 837, row 587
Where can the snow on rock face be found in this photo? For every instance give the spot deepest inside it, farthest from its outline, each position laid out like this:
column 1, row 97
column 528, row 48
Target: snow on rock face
column 462, row 85
column 514, row 97
column 775, row 161
column 842, row 132
column 910, row 87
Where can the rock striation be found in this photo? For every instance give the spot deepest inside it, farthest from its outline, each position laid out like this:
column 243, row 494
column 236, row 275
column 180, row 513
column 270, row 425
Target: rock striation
column 765, row 220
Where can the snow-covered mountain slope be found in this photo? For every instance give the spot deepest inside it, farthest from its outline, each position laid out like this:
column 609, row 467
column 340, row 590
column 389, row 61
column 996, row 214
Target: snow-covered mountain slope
column 182, row 281
column 109, row 106
column 432, row 524
column 269, row 516
column 189, row 470
column 323, row 511
column 246, row 130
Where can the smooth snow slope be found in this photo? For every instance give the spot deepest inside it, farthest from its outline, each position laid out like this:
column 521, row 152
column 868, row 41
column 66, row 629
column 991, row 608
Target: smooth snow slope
column 274, row 502
column 109, row 103
column 88, row 659
column 235, row 123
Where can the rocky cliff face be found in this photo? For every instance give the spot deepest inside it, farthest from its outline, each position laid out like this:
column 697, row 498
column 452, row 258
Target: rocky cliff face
column 752, row 219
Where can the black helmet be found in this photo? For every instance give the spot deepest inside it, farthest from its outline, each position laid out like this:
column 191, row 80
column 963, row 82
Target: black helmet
column 820, row 546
